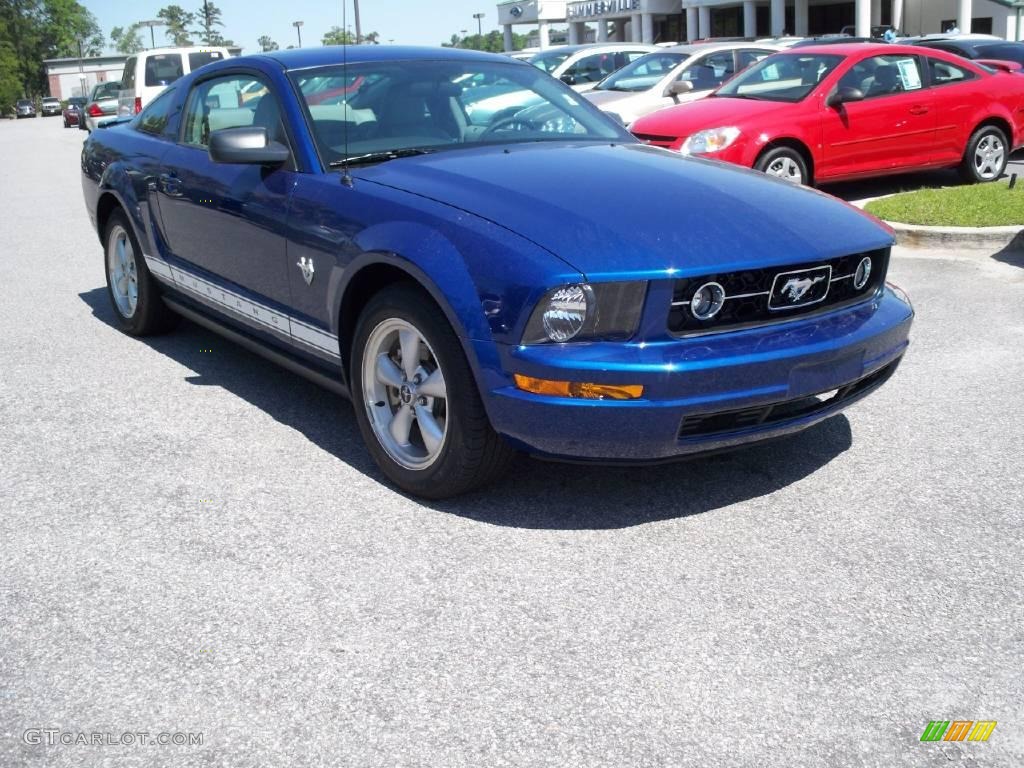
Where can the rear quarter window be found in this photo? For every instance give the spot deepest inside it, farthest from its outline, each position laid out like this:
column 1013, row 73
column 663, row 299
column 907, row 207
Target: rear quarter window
column 163, row 69
column 128, row 79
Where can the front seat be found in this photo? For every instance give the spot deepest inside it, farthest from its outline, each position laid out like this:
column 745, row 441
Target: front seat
column 886, row 81
column 268, row 115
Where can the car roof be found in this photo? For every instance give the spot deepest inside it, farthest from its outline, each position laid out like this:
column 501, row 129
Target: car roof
column 848, row 49
column 302, row 58
column 692, row 48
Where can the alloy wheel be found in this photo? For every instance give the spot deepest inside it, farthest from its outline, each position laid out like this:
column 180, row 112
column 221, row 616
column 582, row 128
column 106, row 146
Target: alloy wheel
column 123, row 272
column 989, row 157
column 785, row 168
column 405, row 394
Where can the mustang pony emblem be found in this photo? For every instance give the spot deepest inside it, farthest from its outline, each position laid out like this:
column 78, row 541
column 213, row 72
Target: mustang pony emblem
column 796, row 289
column 306, row 265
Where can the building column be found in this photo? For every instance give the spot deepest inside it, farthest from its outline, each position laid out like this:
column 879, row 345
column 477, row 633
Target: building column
column 800, row 19
column 749, row 18
column 778, row 17
column 897, row 14
column 509, row 43
column 544, row 34
column 602, row 31
column 647, row 22
column 863, row 18
column 620, row 30
column 876, row 12
column 703, row 22
column 963, row 16
column 691, row 23
column 635, row 32
column 574, row 33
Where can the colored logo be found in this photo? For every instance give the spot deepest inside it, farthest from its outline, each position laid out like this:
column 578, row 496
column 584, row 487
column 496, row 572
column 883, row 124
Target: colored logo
column 958, row 730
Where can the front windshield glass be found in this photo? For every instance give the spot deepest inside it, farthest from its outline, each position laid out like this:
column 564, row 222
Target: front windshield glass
column 106, row 90
column 781, row 77
column 383, row 108
column 549, row 61
column 643, row 74
column 1003, row 52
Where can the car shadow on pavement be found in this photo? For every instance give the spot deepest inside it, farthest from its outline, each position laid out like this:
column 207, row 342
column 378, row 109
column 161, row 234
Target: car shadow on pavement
column 890, row 185
column 1013, row 253
column 534, row 494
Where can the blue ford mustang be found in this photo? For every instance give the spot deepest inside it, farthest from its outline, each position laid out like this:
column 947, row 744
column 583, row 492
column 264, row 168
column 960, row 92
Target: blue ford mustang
column 481, row 280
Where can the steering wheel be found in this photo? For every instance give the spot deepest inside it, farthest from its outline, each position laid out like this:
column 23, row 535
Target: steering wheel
column 521, row 123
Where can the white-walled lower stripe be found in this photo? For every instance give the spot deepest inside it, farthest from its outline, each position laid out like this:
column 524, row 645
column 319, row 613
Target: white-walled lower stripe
column 203, row 289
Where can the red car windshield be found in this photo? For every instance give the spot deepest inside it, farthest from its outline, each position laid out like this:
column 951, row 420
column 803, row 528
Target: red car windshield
column 781, row 77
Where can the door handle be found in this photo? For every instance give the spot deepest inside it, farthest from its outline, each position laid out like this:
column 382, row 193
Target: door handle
column 919, row 109
column 171, row 185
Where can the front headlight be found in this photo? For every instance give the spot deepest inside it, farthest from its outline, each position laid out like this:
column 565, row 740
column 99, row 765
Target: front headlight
column 585, row 312
column 713, row 140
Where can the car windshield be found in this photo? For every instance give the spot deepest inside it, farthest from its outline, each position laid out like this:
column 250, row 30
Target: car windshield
column 24, row 103
column 1001, row 52
column 643, row 74
column 549, row 61
column 781, row 77
column 76, row 101
column 377, row 111
column 51, row 100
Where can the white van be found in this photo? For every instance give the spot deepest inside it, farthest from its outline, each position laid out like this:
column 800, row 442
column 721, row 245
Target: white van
column 147, row 73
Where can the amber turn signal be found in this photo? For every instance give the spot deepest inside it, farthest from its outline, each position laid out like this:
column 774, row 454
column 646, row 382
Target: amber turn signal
column 578, row 389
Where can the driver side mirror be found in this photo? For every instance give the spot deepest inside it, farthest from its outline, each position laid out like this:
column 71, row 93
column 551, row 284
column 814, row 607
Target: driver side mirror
column 678, row 87
column 842, row 95
column 246, row 146
column 569, row 79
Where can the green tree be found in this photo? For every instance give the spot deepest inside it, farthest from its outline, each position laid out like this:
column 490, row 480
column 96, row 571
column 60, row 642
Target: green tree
column 266, row 44
column 373, row 38
column 208, row 17
column 11, row 87
column 127, row 40
column 338, row 36
column 177, row 20
column 493, row 41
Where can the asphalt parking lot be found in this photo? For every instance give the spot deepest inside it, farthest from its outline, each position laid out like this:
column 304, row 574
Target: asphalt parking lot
column 194, row 541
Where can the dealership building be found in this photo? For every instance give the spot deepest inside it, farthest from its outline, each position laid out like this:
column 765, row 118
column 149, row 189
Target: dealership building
column 659, row 21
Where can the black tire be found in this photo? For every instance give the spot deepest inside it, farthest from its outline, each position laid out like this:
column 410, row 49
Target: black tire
column 472, row 454
column 150, row 316
column 970, row 171
column 784, row 163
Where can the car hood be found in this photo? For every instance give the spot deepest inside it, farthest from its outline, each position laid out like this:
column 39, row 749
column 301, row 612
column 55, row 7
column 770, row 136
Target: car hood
column 711, row 112
column 635, row 210
column 605, row 99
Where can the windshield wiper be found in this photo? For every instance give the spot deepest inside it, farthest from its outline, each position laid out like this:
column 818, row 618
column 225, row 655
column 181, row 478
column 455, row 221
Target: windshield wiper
column 379, row 157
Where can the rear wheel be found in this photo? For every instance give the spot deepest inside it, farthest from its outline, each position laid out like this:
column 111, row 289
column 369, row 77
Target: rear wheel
column 784, row 163
column 416, row 400
column 132, row 289
column 986, row 156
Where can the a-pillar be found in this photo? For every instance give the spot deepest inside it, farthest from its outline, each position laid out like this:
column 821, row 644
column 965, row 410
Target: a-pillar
column 963, row 16
column 778, row 17
column 800, row 19
column 749, row 18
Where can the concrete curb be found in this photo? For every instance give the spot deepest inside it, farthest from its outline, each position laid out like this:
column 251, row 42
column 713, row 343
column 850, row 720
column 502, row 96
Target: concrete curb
column 981, row 238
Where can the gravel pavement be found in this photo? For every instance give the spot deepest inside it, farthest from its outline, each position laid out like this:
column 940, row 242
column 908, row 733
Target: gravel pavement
column 194, row 541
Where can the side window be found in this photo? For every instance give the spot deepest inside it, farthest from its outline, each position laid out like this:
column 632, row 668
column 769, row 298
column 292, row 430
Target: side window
column 592, row 68
column 154, row 117
column 884, row 76
column 128, row 78
column 232, row 101
column 944, row 73
column 710, row 71
column 748, row 57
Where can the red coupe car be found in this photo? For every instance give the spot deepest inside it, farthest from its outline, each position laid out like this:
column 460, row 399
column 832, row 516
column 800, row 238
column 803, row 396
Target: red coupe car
column 826, row 113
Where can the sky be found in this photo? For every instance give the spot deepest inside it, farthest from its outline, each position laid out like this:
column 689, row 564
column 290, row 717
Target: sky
column 411, row 22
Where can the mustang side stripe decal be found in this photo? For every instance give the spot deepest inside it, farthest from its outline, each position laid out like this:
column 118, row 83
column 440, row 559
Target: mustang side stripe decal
column 208, row 292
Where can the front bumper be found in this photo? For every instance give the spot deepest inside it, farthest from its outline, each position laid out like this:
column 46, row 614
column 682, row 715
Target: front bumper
column 705, row 393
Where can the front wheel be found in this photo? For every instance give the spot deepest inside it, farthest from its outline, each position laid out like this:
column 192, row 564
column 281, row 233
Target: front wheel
column 416, row 400
column 986, row 155
column 784, row 163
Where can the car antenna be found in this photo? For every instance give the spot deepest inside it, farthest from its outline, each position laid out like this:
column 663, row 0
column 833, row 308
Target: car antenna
column 346, row 177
